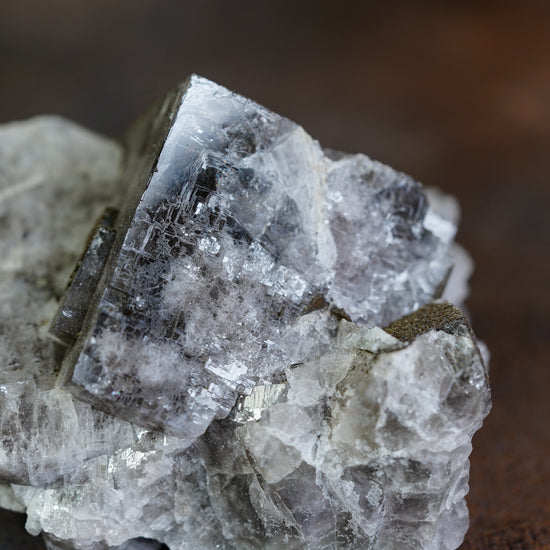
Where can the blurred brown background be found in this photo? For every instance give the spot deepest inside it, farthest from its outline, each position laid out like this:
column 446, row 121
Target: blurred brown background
column 455, row 93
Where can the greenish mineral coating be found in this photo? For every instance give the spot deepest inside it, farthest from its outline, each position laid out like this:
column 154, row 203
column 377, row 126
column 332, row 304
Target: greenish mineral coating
column 436, row 316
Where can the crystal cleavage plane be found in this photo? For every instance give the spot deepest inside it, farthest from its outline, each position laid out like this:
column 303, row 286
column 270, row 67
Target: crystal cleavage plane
column 223, row 369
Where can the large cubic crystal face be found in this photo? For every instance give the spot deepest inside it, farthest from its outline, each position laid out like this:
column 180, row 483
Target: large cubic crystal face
column 255, row 349
column 242, row 237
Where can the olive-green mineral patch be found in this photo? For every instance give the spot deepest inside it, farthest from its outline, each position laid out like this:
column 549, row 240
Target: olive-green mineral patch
column 438, row 316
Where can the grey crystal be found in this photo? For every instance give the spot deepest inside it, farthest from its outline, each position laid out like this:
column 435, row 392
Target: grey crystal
column 253, row 351
column 243, row 213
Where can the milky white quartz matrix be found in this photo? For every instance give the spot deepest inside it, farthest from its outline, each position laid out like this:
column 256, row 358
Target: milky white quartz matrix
column 255, row 350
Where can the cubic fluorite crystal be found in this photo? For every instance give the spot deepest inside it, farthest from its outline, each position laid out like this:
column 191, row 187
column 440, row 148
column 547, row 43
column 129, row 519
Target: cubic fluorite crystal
column 223, row 377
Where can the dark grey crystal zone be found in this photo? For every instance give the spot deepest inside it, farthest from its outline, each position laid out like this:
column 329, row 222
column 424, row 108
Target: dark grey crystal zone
column 69, row 319
column 240, row 237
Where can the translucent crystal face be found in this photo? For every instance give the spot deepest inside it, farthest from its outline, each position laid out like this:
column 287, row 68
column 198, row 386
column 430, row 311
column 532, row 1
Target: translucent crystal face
column 243, row 230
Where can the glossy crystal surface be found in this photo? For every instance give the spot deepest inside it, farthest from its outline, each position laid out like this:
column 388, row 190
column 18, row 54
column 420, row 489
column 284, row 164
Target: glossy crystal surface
column 245, row 237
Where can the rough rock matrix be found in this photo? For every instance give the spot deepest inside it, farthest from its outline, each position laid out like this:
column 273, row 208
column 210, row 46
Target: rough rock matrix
column 255, row 349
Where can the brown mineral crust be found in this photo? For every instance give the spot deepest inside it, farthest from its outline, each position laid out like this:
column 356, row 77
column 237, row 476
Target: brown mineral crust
column 438, row 316
column 318, row 302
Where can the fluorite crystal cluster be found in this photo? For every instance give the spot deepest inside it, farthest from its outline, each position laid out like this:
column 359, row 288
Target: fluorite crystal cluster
column 255, row 350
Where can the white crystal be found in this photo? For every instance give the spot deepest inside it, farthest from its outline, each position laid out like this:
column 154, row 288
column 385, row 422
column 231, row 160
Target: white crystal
column 45, row 433
column 376, row 456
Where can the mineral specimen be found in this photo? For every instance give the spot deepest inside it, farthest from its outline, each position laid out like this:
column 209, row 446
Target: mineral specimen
column 224, row 378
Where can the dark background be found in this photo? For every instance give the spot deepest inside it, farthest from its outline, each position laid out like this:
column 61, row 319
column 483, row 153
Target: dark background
column 455, row 93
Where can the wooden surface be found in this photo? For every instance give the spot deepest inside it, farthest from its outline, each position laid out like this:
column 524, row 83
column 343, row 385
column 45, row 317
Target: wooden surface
column 456, row 94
